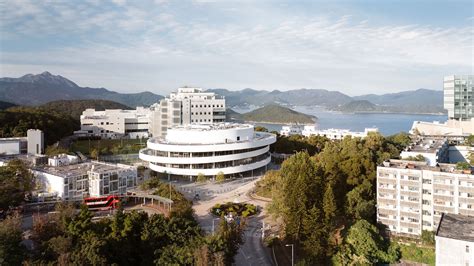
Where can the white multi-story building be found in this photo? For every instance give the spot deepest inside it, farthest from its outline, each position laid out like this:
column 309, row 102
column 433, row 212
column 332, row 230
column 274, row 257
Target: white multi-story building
column 455, row 240
column 233, row 149
column 291, row 130
column 187, row 106
column 411, row 196
column 94, row 179
column 116, row 123
column 336, row 134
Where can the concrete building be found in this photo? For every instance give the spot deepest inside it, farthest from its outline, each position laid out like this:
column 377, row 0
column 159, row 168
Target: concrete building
column 94, row 179
column 35, row 139
column 411, row 196
column 455, row 240
column 448, row 128
column 32, row 144
column 233, row 149
column 291, row 130
column 115, row 123
column 63, row 159
column 336, row 134
column 187, row 106
column 433, row 150
column 13, row 146
column 459, row 96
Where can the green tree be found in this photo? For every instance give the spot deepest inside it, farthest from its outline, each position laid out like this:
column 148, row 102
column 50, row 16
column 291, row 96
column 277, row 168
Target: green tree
column 261, row 129
column 329, row 206
column 11, row 250
column 201, row 178
column 361, row 202
column 220, row 177
column 15, row 182
column 94, row 153
column 463, row 166
column 469, row 140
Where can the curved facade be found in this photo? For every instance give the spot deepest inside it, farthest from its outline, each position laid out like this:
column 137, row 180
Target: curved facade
column 233, row 149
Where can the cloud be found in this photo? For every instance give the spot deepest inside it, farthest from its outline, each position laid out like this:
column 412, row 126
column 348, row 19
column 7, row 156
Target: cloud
column 136, row 45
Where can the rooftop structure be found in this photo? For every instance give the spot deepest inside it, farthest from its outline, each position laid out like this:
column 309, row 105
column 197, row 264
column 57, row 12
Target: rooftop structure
column 434, row 150
column 233, row 149
column 75, row 181
column 455, row 240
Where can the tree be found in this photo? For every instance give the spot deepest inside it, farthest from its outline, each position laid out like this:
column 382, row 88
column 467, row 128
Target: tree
column 11, row 250
column 220, row 177
column 329, row 206
column 15, row 182
column 261, row 129
column 469, row 140
column 361, row 202
column 463, row 166
column 364, row 245
column 94, row 153
column 201, row 178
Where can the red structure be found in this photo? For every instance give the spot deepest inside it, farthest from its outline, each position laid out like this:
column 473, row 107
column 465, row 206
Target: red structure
column 102, row 203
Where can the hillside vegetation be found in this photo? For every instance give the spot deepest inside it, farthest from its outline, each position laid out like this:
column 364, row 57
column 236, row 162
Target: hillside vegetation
column 5, row 105
column 274, row 114
column 56, row 119
column 75, row 108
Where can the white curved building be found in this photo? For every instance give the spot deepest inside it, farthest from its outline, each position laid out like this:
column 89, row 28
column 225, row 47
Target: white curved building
column 233, row 149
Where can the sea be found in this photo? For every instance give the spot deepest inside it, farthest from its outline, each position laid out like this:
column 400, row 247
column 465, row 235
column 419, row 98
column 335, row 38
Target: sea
column 387, row 123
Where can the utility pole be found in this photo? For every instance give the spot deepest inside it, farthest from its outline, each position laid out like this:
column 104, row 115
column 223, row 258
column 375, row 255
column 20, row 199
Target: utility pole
column 292, row 254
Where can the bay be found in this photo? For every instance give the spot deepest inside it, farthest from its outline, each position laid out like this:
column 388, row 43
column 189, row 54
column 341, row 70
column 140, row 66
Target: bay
column 387, row 123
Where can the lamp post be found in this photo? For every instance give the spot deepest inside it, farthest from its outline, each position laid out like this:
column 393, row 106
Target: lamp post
column 292, row 254
column 213, row 226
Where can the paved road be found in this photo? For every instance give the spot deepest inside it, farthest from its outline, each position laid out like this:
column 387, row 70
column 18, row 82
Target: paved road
column 252, row 252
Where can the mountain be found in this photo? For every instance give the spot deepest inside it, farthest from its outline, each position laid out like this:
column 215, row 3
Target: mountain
column 357, row 106
column 6, row 105
column 293, row 97
column 45, row 87
column 272, row 113
column 414, row 101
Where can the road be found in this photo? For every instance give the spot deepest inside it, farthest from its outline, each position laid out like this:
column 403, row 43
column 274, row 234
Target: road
column 252, row 252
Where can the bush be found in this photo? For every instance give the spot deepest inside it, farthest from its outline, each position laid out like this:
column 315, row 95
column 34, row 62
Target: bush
column 239, row 209
column 220, row 177
column 201, row 178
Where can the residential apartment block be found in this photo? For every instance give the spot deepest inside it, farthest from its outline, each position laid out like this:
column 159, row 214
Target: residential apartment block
column 411, row 196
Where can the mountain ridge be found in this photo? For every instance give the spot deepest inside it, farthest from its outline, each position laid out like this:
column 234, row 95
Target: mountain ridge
column 45, row 87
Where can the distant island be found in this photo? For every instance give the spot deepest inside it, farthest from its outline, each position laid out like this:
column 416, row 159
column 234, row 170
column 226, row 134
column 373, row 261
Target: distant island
column 365, row 106
column 271, row 114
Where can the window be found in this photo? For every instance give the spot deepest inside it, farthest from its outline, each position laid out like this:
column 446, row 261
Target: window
column 467, row 249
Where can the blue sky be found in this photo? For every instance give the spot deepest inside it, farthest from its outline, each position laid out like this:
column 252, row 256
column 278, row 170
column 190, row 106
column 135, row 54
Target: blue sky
column 357, row 47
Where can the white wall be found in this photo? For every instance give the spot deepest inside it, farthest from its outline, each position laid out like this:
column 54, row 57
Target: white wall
column 205, row 136
column 453, row 252
column 50, row 183
column 10, row 147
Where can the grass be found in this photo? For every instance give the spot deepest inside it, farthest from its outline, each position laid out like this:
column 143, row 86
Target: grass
column 418, row 254
column 108, row 146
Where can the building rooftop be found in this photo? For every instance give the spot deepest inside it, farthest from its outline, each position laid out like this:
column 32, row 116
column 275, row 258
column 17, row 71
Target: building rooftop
column 13, row 139
column 406, row 164
column 427, row 145
column 210, row 127
column 456, row 226
column 82, row 168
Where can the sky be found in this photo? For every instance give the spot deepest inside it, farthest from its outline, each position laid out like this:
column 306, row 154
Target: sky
column 356, row 47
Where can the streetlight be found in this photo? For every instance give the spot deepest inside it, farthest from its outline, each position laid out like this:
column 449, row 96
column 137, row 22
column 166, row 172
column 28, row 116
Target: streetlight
column 292, row 254
column 213, row 226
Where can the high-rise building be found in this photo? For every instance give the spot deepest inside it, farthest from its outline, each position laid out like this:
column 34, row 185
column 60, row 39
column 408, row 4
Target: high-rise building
column 459, row 96
column 187, row 106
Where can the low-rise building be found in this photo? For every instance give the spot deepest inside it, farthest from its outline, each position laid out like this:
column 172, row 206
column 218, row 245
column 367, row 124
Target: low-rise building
column 411, row 196
column 234, row 150
column 434, row 150
column 32, row 144
column 336, row 134
column 94, row 179
column 115, row 123
column 291, row 130
column 455, row 240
